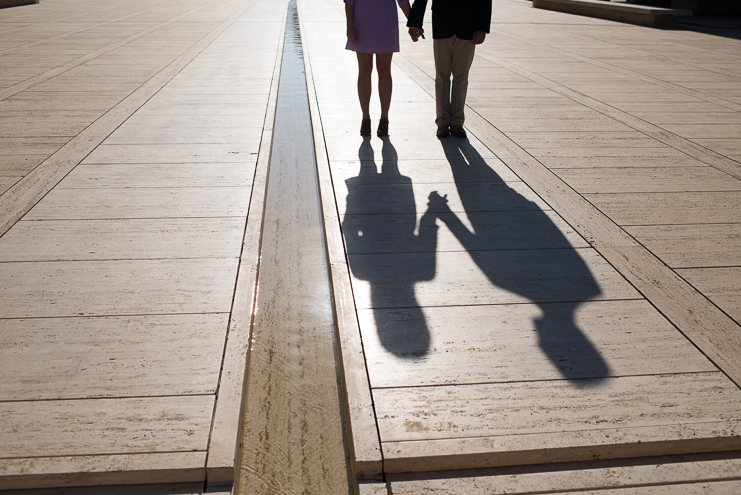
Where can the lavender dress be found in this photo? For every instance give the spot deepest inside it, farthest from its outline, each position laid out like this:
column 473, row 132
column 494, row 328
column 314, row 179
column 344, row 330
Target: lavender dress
column 377, row 25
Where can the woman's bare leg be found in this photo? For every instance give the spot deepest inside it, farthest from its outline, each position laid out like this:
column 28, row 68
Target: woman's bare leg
column 365, row 69
column 383, row 65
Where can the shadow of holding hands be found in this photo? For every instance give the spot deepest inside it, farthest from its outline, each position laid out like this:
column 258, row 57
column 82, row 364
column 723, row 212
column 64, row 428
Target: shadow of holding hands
column 381, row 217
column 513, row 242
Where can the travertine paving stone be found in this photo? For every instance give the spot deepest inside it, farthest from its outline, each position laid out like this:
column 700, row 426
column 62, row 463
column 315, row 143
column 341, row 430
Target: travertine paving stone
column 720, row 285
column 695, row 245
column 503, row 343
column 76, row 358
column 108, row 203
column 407, row 414
column 645, row 179
column 79, row 427
column 671, row 208
column 446, row 281
column 470, row 290
column 116, row 323
column 68, row 240
column 126, row 287
column 154, row 175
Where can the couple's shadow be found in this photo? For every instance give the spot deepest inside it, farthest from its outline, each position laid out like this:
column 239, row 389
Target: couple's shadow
column 513, row 242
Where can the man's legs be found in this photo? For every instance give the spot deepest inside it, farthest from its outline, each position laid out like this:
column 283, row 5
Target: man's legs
column 443, row 50
column 453, row 56
column 463, row 51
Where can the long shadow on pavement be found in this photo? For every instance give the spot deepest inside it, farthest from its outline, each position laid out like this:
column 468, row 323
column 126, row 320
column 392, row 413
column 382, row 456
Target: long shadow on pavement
column 381, row 217
column 514, row 243
column 532, row 259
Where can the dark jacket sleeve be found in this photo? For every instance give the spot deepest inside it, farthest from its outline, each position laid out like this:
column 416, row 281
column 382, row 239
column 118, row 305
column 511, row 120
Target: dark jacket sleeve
column 417, row 13
column 483, row 16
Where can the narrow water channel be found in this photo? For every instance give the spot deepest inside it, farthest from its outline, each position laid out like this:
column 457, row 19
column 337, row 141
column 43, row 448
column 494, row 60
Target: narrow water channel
column 293, row 434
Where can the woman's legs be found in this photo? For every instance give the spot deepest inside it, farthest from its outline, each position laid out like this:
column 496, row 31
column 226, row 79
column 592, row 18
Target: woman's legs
column 365, row 68
column 383, row 65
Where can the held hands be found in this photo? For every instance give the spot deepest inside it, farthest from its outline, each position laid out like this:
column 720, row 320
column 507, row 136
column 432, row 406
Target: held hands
column 416, row 33
column 478, row 37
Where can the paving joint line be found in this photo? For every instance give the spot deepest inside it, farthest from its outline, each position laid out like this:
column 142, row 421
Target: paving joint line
column 643, row 77
column 702, row 322
column 77, row 31
column 25, row 193
column 51, row 73
column 701, row 153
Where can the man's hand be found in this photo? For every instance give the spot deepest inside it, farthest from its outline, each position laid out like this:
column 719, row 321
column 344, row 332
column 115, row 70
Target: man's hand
column 415, row 33
column 478, row 37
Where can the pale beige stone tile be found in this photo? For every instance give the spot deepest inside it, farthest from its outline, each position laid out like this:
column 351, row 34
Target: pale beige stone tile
column 724, row 146
column 116, row 287
column 590, row 140
column 105, row 426
column 712, row 131
column 422, row 413
column 621, row 152
column 676, row 159
column 148, row 135
column 682, row 478
column 402, row 198
column 562, row 123
column 645, row 179
column 161, row 175
column 373, row 489
column 109, row 203
column 7, row 182
column 74, row 358
column 687, row 246
column 646, row 109
column 720, row 285
column 484, row 277
column 494, row 344
column 173, row 153
column 30, row 129
column 70, row 240
column 33, row 146
column 669, row 208
column 154, row 489
column 419, row 171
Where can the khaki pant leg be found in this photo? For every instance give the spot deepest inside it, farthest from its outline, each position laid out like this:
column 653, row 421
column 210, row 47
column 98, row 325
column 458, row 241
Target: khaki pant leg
column 463, row 51
column 443, row 50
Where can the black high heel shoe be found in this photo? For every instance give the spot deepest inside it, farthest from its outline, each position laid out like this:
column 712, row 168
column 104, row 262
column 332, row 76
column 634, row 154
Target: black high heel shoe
column 383, row 128
column 365, row 127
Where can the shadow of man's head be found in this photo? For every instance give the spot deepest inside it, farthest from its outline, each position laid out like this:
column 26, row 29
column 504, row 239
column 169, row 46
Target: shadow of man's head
column 521, row 249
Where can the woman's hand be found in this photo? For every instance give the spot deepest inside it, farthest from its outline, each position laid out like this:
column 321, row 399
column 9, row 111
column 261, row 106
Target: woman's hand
column 352, row 35
column 406, row 9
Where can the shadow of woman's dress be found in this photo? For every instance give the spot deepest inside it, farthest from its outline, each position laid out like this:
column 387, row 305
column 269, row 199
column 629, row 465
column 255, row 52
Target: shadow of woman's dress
column 533, row 260
column 379, row 228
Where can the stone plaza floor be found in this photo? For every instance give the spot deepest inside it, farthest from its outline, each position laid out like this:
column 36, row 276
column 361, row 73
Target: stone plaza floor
column 551, row 305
